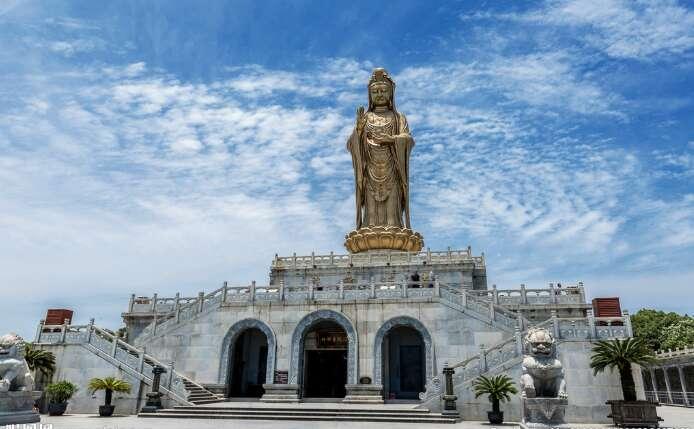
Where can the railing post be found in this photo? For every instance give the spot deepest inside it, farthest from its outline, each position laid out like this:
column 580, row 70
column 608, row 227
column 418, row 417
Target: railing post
column 154, row 324
column 154, row 303
column 313, row 259
column 332, row 258
column 524, row 294
column 627, row 323
column 483, row 359
column 178, row 314
column 492, row 311
column 90, row 329
column 449, row 398
column 63, row 331
column 114, row 348
column 294, row 259
column 310, row 290
column 177, row 300
column 171, row 375
column 591, row 323
column 372, row 287
column 141, row 362
column 39, row 329
column 342, row 289
column 201, row 301
column 252, row 292
column 225, row 291
column 495, row 295
column 683, row 384
column 552, row 294
column 519, row 339
column 404, row 289
column 437, row 288
column 463, row 298
column 428, row 256
column 581, row 292
column 281, row 290
column 555, row 324
column 131, row 304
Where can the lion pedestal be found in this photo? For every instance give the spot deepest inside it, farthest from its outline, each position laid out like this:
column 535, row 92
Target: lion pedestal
column 16, row 384
column 543, row 389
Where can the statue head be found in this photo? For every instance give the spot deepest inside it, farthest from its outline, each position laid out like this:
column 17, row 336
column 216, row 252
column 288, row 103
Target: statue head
column 381, row 90
column 539, row 342
column 11, row 345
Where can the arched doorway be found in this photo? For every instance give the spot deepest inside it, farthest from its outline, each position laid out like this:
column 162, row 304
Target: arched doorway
column 248, row 366
column 247, row 358
column 324, row 339
column 403, row 358
column 404, row 374
column 325, row 361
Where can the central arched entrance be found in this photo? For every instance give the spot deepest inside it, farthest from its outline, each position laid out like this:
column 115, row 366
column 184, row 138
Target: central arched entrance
column 325, row 361
column 248, row 365
column 324, row 355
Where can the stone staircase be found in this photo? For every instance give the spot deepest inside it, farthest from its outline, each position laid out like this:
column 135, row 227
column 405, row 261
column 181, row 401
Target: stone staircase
column 306, row 412
column 130, row 359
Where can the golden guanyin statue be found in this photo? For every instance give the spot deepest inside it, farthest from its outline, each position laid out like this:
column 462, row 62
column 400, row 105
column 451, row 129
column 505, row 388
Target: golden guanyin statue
column 380, row 146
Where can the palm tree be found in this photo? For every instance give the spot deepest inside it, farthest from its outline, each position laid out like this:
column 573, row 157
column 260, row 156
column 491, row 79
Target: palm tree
column 620, row 355
column 108, row 385
column 42, row 361
column 499, row 388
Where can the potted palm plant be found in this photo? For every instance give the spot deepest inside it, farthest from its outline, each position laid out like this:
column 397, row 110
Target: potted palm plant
column 499, row 388
column 620, row 355
column 108, row 385
column 39, row 360
column 58, row 394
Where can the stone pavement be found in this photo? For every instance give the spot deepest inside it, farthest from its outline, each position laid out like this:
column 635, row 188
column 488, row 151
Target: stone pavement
column 675, row 417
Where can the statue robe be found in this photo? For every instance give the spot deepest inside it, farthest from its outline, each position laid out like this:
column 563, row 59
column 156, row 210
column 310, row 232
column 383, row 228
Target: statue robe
column 400, row 154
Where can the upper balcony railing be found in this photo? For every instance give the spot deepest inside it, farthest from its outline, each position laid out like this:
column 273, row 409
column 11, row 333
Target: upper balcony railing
column 378, row 258
column 554, row 294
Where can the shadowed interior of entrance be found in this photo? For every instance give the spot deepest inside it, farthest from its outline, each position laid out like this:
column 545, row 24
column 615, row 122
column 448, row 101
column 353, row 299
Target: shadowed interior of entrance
column 248, row 365
column 325, row 361
column 403, row 363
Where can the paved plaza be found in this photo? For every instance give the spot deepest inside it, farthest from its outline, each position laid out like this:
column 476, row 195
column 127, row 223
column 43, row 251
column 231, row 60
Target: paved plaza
column 674, row 417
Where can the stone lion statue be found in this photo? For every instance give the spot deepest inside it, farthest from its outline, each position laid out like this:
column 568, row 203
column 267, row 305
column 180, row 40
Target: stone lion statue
column 14, row 371
column 543, row 375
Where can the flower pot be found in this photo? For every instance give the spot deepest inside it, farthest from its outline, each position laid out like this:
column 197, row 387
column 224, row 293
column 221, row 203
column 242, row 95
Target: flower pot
column 106, row 410
column 57, row 409
column 495, row 418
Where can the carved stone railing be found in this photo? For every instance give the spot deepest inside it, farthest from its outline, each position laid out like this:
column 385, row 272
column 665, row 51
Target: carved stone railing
column 567, row 294
column 131, row 359
column 453, row 295
column 677, row 353
column 377, row 258
column 508, row 352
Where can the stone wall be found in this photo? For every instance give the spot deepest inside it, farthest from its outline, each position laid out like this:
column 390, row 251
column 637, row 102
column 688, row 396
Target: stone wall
column 197, row 346
column 78, row 365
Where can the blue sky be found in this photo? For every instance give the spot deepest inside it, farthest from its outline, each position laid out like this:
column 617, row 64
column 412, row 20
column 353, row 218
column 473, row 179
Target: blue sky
column 169, row 146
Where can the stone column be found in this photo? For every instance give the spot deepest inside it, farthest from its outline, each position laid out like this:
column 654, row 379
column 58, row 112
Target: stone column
column 667, row 385
column 683, row 384
column 654, row 383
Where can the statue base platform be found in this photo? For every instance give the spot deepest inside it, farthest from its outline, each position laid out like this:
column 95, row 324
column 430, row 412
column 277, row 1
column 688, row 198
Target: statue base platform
column 543, row 413
column 17, row 408
column 383, row 237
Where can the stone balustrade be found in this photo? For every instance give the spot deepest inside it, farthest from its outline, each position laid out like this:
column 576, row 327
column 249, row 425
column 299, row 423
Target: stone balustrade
column 566, row 294
column 670, row 378
column 378, row 259
column 121, row 354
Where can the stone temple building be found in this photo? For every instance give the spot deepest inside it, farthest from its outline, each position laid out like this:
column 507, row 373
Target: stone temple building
column 385, row 322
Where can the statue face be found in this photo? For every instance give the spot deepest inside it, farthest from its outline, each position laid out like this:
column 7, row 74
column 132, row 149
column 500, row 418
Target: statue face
column 381, row 94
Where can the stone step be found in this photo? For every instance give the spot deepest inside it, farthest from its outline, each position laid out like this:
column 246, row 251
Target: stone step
column 302, row 409
column 202, row 413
